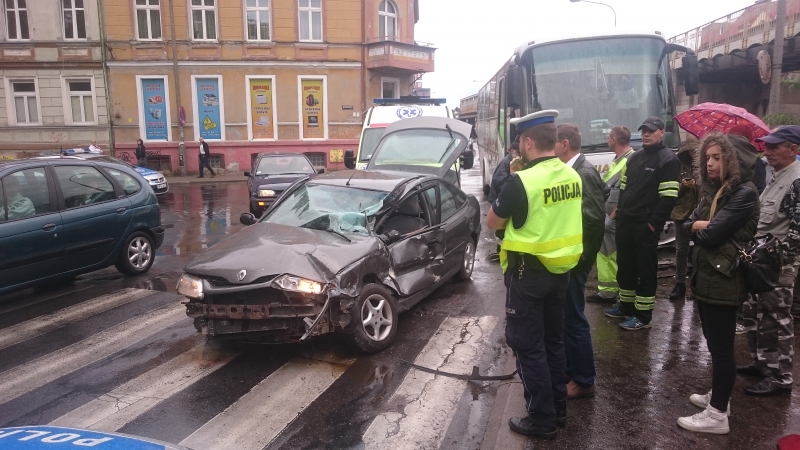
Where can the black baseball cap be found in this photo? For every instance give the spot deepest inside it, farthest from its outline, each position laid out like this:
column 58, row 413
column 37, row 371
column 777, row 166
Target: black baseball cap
column 785, row 133
column 652, row 123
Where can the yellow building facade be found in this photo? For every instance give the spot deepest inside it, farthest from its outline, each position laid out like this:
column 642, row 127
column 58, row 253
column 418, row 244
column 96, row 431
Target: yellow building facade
column 253, row 76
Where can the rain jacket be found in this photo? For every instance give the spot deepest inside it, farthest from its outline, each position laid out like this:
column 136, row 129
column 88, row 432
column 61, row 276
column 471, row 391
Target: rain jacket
column 715, row 281
column 594, row 196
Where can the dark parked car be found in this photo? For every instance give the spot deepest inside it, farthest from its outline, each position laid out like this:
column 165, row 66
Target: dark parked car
column 345, row 251
column 272, row 173
column 64, row 217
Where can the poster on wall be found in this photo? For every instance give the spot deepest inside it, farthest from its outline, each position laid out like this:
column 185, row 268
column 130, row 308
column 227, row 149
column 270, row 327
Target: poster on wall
column 313, row 109
column 208, row 108
column 155, row 109
column 261, row 108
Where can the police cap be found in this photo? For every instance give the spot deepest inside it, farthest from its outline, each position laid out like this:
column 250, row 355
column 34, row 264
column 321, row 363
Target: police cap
column 533, row 119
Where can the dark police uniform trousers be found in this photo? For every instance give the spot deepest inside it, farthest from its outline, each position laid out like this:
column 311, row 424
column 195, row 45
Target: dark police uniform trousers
column 535, row 331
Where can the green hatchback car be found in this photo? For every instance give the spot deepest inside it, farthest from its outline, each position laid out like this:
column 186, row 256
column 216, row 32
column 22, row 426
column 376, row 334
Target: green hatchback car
column 63, row 218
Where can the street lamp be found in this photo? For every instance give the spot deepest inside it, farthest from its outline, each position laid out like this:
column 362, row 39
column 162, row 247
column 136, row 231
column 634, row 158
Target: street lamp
column 598, row 3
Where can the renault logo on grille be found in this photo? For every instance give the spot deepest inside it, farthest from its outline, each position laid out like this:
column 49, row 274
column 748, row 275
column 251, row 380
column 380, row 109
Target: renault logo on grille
column 241, row 275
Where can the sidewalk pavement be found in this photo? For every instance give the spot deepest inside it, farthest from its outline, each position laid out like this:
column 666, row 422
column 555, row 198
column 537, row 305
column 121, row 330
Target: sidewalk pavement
column 192, row 179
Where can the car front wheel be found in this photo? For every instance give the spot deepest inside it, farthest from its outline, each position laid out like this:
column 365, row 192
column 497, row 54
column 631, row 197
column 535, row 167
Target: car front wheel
column 376, row 323
column 137, row 254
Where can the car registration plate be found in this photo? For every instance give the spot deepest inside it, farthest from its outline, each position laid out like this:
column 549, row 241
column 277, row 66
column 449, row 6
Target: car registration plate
column 161, row 186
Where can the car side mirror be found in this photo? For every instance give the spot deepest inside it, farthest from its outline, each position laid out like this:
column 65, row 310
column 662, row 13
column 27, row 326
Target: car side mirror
column 467, row 159
column 321, row 170
column 247, row 173
column 515, row 87
column 349, row 159
column 247, row 219
column 691, row 74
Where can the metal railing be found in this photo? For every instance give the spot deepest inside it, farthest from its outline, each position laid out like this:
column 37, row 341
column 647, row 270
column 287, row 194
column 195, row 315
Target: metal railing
column 747, row 26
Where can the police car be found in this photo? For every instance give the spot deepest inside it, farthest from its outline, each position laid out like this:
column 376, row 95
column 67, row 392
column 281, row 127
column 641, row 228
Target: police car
column 156, row 180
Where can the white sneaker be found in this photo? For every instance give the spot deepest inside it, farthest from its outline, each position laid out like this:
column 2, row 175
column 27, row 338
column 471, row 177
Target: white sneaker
column 709, row 421
column 702, row 401
column 740, row 329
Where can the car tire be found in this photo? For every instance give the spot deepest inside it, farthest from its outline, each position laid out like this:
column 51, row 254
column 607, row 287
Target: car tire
column 467, row 262
column 137, row 254
column 376, row 312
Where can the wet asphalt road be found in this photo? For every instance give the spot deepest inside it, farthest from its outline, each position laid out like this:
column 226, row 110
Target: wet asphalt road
column 61, row 363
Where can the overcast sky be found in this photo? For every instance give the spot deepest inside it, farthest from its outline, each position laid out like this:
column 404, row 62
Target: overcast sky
column 475, row 37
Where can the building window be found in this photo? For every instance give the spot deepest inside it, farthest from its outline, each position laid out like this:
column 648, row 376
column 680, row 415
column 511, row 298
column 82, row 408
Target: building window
column 310, row 20
column 148, row 20
column 216, row 161
column 317, row 159
column 387, row 21
column 257, row 15
column 74, row 19
column 17, row 20
column 79, row 101
column 204, row 20
column 24, row 101
column 390, row 87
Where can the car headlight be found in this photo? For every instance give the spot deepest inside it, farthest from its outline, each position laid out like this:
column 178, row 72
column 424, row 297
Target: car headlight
column 297, row 284
column 190, row 286
column 266, row 193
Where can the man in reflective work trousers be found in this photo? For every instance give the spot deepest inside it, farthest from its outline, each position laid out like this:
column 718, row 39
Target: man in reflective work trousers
column 540, row 210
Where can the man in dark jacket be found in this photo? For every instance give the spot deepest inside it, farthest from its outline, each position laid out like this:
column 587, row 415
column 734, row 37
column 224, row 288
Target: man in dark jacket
column 501, row 175
column 687, row 202
column 648, row 193
column 205, row 154
column 577, row 337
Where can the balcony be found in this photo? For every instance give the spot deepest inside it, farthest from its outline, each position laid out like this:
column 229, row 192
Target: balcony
column 397, row 58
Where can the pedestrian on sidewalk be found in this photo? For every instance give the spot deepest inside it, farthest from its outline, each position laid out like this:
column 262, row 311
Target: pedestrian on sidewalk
column 501, row 175
column 687, row 202
column 651, row 177
column 767, row 316
column 577, row 334
column 540, row 210
column 728, row 211
column 619, row 141
column 141, row 153
column 205, row 155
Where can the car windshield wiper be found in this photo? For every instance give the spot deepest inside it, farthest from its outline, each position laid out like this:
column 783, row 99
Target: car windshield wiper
column 452, row 141
column 338, row 234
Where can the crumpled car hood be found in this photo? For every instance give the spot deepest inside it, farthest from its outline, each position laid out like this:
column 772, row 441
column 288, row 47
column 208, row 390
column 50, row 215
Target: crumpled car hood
column 270, row 249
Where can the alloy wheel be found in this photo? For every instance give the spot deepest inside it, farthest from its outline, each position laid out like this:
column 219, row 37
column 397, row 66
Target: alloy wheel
column 139, row 253
column 376, row 317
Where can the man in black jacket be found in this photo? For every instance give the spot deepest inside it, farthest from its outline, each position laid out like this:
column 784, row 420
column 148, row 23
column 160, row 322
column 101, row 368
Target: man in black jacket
column 501, row 175
column 577, row 337
column 649, row 192
column 205, row 154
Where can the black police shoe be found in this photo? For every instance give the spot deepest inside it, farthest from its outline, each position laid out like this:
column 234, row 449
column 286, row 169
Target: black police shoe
column 749, row 370
column 525, row 425
column 561, row 418
column 678, row 292
column 766, row 388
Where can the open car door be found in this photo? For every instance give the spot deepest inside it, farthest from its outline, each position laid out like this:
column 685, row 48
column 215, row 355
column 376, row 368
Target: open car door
column 422, row 145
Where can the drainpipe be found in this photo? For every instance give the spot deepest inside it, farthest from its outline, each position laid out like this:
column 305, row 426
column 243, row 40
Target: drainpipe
column 109, row 115
column 181, row 143
column 363, row 56
column 777, row 60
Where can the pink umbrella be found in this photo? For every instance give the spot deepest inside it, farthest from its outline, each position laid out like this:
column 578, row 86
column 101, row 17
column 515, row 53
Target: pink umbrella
column 701, row 119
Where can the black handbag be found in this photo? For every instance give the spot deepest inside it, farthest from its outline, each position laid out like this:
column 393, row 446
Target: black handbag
column 762, row 262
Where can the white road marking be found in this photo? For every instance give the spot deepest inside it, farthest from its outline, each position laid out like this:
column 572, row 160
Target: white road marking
column 254, row 420
column 43, row 324
column 424, row 403
column 112, row 411
column 36, row 373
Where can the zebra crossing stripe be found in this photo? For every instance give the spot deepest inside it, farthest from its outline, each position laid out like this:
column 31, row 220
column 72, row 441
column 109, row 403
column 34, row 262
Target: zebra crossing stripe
column 254, row 420
column 426, row 401
column 26, row 377
column 115, row 409
column 43, row 324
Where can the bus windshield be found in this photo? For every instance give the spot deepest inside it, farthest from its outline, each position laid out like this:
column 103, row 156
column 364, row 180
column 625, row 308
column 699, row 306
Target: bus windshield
column 601, row 83
column 369, row 140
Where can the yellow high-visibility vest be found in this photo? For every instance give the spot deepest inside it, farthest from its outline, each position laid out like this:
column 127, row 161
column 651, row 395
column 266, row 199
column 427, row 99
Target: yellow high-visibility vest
column 553, row 230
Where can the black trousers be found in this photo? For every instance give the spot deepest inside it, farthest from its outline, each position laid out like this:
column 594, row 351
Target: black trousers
column 535, row 331
column 205, row 164
column 637, row 268
column 719, row 329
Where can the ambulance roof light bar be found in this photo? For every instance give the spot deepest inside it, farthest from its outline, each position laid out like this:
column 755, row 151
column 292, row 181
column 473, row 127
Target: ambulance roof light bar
column 410, row 100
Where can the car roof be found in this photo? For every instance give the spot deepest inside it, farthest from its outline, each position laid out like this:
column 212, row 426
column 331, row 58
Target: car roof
column 373, row 180
column 284, row 154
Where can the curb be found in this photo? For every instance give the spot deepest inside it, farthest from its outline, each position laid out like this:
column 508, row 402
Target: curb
column 508, row 403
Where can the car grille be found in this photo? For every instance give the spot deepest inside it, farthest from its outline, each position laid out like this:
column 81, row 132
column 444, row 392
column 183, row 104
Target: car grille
column 222, row 282
column 263, row 296
column 157, row 180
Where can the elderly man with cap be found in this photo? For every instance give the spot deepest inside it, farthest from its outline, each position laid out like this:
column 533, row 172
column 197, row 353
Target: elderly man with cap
column 767, row 316
column 540, row 210
column 648, row 193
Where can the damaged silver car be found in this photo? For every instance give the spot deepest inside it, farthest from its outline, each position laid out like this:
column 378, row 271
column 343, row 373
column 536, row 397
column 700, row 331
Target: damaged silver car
column 346, row 251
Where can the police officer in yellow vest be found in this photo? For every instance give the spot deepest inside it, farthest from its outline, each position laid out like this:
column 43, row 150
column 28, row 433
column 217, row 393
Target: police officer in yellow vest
column 540, row 210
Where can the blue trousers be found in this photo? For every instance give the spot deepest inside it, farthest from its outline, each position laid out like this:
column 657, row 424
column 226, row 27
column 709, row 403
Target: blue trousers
column 535, row 331
column 577, row 336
